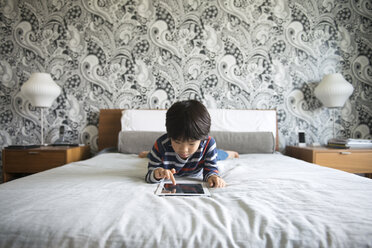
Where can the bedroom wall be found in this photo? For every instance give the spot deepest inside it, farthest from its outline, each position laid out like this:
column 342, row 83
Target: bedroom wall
column 241, row 54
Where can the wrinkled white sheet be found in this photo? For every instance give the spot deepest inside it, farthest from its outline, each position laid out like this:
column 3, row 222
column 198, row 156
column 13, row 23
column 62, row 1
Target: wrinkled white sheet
column 271, row 201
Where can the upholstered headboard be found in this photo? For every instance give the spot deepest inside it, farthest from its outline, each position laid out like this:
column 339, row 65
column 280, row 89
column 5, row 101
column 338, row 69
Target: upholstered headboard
column 110, row 125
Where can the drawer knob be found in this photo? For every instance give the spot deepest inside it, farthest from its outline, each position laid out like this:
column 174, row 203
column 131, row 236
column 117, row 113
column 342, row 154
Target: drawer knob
column 33, row 153
column 345, row 153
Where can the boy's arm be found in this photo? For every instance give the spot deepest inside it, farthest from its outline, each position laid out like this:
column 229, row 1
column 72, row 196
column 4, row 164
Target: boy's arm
column 210, row 160
column 155, row 162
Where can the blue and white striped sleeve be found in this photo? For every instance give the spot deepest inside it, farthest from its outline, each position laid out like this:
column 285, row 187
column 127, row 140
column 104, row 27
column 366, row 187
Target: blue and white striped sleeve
column 210, row 160
column 155, row 162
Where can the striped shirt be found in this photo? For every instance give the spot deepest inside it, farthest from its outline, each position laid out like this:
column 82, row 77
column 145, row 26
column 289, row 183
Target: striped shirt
column 203, row 161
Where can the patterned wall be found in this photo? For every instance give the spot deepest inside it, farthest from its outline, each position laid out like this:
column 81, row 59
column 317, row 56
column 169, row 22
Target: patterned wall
column 233, row 54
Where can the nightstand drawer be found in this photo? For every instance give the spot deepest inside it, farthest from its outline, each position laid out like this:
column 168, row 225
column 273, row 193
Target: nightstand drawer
column 33, row 161
column 352, row 161
column 21, row 162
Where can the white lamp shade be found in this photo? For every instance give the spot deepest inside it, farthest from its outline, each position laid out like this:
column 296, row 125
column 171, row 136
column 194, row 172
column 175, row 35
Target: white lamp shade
column 333, row 90
column 41, row 90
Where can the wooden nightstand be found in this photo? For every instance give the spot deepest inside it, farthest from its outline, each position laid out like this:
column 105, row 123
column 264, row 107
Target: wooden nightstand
column 20, row 162
column 350, row 160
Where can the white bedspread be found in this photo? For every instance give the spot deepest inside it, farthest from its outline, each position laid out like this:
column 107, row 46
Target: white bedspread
column 270, row 201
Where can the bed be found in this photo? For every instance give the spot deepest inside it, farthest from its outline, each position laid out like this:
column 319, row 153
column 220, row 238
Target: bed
column 271, row 201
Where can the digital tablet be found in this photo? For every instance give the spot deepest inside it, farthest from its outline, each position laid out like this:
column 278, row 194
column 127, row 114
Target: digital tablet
column 182, row 189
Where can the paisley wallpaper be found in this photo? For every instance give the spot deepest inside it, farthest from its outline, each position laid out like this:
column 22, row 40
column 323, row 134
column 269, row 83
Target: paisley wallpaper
column 229, row 54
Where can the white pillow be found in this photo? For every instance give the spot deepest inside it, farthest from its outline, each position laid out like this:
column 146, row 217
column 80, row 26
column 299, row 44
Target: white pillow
column 222, row 120
column 143, row 120
column 234, row 120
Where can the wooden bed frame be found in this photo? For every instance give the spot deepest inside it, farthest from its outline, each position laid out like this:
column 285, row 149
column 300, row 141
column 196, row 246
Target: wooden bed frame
column 109, row 127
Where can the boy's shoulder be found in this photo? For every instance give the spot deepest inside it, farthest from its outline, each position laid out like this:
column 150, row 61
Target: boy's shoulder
column 163, row 137
column 210, row 141
column 163, row 141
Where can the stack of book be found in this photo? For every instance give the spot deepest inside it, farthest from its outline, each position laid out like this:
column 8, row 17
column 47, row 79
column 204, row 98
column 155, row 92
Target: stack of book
column 350, row 143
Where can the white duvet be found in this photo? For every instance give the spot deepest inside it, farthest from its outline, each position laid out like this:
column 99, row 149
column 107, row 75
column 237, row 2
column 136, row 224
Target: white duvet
column 270, row 201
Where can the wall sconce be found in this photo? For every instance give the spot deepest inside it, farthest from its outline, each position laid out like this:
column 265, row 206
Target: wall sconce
column 41, row 91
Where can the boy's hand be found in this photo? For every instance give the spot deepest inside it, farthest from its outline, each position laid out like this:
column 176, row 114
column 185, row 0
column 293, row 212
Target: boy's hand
column 161, row 173
column 216, row 182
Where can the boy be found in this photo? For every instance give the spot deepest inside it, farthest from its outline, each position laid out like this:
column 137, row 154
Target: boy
column 186, row 149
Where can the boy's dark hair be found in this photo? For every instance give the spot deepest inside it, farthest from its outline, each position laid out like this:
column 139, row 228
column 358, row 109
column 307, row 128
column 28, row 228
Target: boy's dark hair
column 188, row 120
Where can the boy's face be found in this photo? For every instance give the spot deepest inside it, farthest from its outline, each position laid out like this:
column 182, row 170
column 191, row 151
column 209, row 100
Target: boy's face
column 185, row 148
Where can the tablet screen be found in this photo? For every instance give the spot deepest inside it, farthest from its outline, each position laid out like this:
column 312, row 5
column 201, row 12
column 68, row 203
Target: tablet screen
column 188, row 188
column 182, row 189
